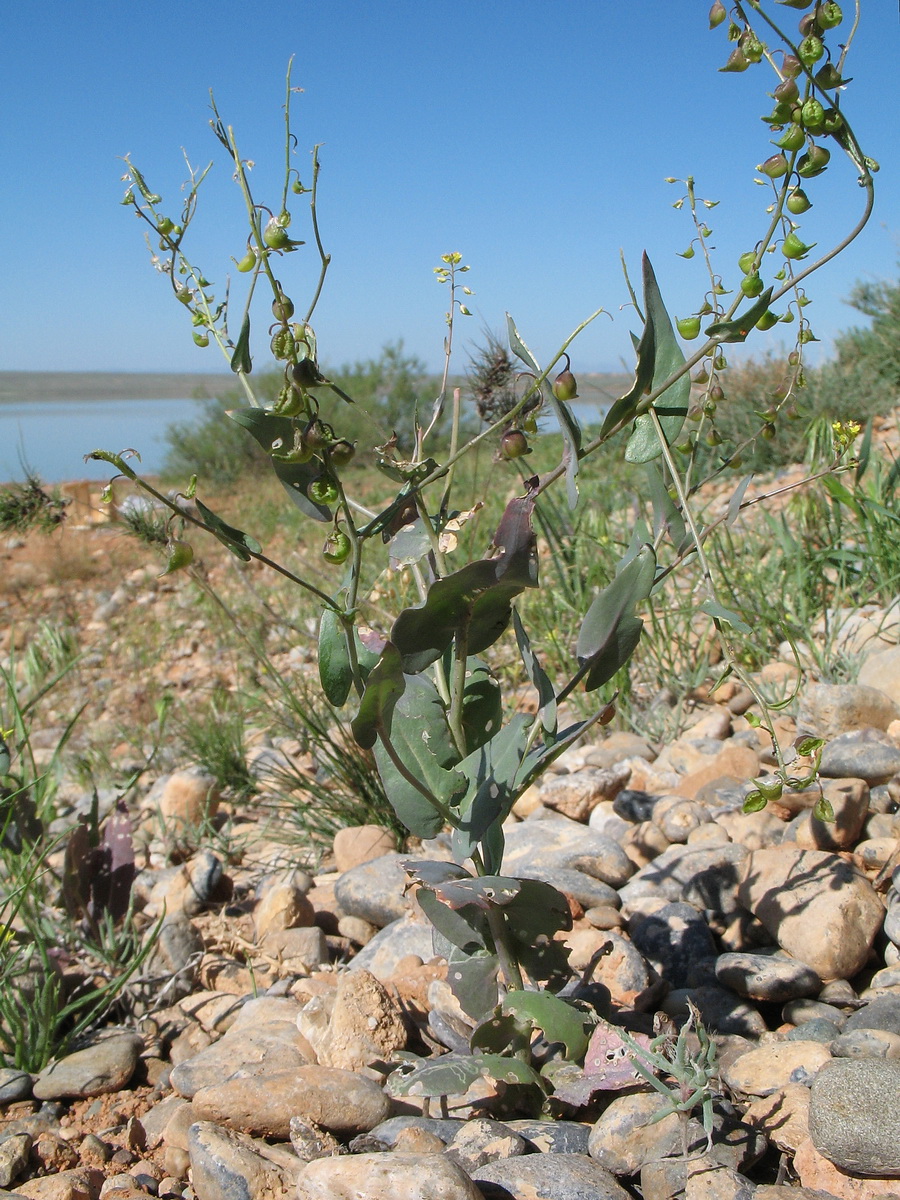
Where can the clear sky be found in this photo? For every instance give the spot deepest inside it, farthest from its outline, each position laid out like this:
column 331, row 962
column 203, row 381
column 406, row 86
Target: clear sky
column 533, row 137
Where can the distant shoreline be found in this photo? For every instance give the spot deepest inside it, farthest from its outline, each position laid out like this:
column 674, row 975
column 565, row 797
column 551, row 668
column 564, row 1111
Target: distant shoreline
column 23, row 387
column 18, row 387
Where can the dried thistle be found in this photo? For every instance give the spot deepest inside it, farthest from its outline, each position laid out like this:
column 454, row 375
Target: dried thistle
column 492, row 378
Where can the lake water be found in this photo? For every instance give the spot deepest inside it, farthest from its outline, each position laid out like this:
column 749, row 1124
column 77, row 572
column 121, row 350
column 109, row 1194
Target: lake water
column 52, row 436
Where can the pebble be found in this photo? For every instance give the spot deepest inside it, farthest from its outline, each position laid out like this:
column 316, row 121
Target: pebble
column 849, row 800
column 549, row 1177
column 375, row 890
column 228, row 1166
column 79, row 1183
column 576, row 795
column 829, row 710
column 189, row 797
column 768, row 1068
column 282, row 905
column 480, row 1141
column 14, row 1085
column 766, row 977
column 817, row 1030
column 720, row 1009
column 385, row 1176
column 882, row 671
column 815, row 905
column 402, row 938
column 854, row 1118
column 797, row 1012
column 553, row 1137
column 339, row 1101
column 867, row 754
column 866, row 1043
column 364, row 1026
column 671, row 871
column 883, row 1012
column 14, row 1153
column 104, row 1066
column 783, row 1115
column 623, row 1138
column 634, row 806
column 672, row 939
column 358, row 844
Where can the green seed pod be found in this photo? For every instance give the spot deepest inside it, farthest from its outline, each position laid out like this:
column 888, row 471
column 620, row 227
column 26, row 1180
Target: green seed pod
column 798, row 202
column 247, row 263
column 695, row 412
column 201, row 339
column 337, row 548
column 275, row 236
column 833, row 121
column 282, row 307
column 752, row 47
column 702, row 376
column 812, row 114
column 514, row 444
column 305, row 373
column 178, row 556
column 790, row 66
column 323, row 491
column 717, row 14
column 709, row 408
column 794, row 247
column 775, row 166
column 828, row 15
column 767, row 320
column 810, row 50
column 342, row 452
column 298, row 453
column 813, row 162
column 713, row 437
column 737, row 61
column 792, row 139
column 688, row 327
column 282, row 344
column 684, row 447
column 768, row 432
column 780, row 114
column 752, row 285
column 716, row 393
column 794, row 358
column 165, row 226
column 565, row 386
column 747, row 262
column 806, row 335
column 799, row 4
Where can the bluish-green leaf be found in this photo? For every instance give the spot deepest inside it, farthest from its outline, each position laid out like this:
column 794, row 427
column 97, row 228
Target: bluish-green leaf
column 665, row 515
column 739, row 329
column 601, row 640
column 624, row 407
column 273, row 433
column 538, row 676
column 335, row 674
column 482, row 711
column 454, row 1074
column 420, row 737
column 713, row 609
column 533, row 919
column 239, row 543
column 491, row 791
column 672, row 405
column 559, row 1021
column 240, row 359
column 384, row 687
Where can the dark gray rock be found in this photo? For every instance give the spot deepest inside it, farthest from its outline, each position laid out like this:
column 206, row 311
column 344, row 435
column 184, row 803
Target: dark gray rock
column 797, row 1012
column 634, row 806
column 817, row 1030
column 672, row 938
column 867, row 754
column 854, row 1118
column 548, row 1177
column 374, row 890
column 767, row 977
column 553, row 1137
column 720, row 1009
column 881, row 1013
column 227, row 1166
column 388, row 1131
column 14, row 1085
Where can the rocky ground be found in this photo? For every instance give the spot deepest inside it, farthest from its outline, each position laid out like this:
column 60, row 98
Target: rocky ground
column 278, row 998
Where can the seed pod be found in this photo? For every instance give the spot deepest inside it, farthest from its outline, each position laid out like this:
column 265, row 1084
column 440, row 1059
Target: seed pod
column 798, row 202
column 247, row 263
column 813, row 162
column 305, row 373
column 828, row 76
column 810, row 50
column 768, row 432
column 178, row 555
column 323, row 491
column 833, row 121
column 342, row 452
column 747, row 261
column 514, row 444
column 201, row 339
column 767, row 320
column 565, row 386
column 282, row 307
column 794, row 247
column 812, row 114
column 337, row 548
column 275, row 235
column 737, row 61
column 751, row 45
column 717, row 14
column 752, row 285
column 282, row 344
column 787, row 91
column 688, row 327
column 165, row 226
column 775, row 166
column 792, row 139
column 713, row 437
column 828, row 15
column 316, row 436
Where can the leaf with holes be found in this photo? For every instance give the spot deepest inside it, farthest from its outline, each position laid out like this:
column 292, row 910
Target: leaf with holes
column 608, row 1067
column 482, row 711
column 558, row 1020
column 533, row 919
column 454, row 1074
column 275, row 433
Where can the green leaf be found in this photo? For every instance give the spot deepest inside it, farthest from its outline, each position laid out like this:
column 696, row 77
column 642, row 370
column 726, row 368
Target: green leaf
column 472, row 978
column 490, row 772
column 624, row 407
column 809, row 746
column 718, row 611
column 384, row 687
column 754, row 801
column 274, row 432
column 420, row 736
column 610, row 630
column 454, row 1074
column 559, row 1021
column 482, row 709
column 665, row 515
column 239, row 543
column 464, row 928
column 671, row 406
column 737, row 499
column 477, row 598
column 335, row 673
column 533, row 918
column 823, row 810
column 240, row 359
column 738, row 329
column 538, row 676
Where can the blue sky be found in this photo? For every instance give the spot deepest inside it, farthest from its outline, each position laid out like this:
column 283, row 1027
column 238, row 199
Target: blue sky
column 534, row 138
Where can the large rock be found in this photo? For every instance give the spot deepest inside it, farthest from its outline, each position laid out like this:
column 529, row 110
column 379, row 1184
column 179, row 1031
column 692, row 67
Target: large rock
column 104, row 1066
column 228, row 1166
column 827, row 710
column 384, row 1177
column 815, row 906
column 375, row 890
column 854, row 1117
column 548, row 1176
column 882, row 671
column 364, row 1026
